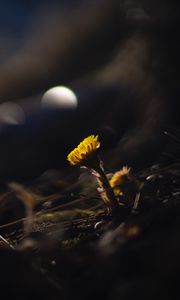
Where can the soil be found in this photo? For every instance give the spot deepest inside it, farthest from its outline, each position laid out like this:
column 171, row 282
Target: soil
column 74, row 250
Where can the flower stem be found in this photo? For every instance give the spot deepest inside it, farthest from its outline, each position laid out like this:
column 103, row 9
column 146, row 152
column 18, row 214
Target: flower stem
column 106, row 192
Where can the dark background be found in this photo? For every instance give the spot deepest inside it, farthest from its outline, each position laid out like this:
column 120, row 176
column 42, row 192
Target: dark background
column 120, row 57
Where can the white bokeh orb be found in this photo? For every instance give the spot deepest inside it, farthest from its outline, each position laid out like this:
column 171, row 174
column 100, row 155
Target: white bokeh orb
column 59, row 97
column 11, row 114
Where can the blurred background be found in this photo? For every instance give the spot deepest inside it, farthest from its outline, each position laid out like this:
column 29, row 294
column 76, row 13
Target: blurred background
column 120, row 60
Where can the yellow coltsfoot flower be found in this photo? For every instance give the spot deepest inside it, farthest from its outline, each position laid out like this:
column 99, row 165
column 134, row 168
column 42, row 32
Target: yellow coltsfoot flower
column 84, row 150
column 118, row 179
column 85, row 155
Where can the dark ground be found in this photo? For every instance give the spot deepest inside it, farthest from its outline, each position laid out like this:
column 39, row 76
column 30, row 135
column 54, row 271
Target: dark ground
column 74, row 251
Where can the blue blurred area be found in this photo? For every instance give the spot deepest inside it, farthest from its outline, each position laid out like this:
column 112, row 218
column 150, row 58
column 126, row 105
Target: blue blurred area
column 17, row 18
column 16, row 14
